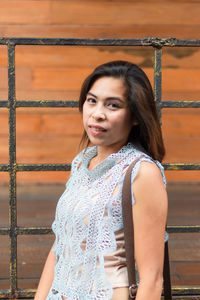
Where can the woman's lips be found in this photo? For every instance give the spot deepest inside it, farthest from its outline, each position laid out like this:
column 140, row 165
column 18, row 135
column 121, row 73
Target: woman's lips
column 96, row 129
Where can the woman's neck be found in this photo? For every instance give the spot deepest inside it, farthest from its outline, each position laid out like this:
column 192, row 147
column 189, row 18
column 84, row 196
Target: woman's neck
column 102, row 154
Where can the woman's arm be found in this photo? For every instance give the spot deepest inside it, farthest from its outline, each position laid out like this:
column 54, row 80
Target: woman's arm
column 149, row 215
column 46, row 277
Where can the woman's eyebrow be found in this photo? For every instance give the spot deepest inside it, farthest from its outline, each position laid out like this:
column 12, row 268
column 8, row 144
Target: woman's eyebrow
column 108, row 98
column 89, row 93
column 115, row 98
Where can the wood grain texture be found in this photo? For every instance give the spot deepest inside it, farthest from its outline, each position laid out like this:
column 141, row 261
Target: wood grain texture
column 101, row 31
column 82, row 57
column 57, row 72
column 36, row 207
column 94, row 13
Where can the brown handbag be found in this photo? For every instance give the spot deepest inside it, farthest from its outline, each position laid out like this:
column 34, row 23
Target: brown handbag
column 129, row 241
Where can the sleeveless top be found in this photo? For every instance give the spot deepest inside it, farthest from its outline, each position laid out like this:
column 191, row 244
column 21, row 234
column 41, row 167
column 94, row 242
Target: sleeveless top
column 88, row 226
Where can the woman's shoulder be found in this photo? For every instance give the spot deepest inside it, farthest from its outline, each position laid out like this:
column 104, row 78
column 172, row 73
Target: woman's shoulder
column 147, row 177
column 147, row 167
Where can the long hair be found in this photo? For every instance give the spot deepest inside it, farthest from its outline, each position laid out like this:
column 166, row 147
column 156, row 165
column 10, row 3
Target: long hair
column 139, row 94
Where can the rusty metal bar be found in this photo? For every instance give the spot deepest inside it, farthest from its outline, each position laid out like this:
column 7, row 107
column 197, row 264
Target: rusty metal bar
column 26, row 230
column 12, row 169
column 43, row 167
column 176, row 290
column 44, row 103
column 48, row 230
column 67, row 167
column 180, row 104
column 4, row 168
column 34, row 230
column 74, row 103
column 183, row 228
column 186, row 290
column 147, row 42
column 84, row 42
column 158, row 79
column 181, row 166
column 19, row 293
column 4, row 103
column 4, row 230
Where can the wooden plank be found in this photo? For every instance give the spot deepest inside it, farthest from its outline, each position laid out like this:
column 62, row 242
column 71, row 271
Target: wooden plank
column 40, row 177
column 188, row 269
column 76, row 56
column 4, row 178
column 177, row 79
column 3, row 122
column 3, row 94
column 44, row 94
column 131, row 12
column 185, row 273
column 182, row 202
column 70, row 12
column 182, row 176
column 65, row 124
column 24, row 12
column 183, row 95
column 181, row 248
column 4, row 261
column 59, row 78
column 181, row 122
column 4, row 78
column 4, row 149
column 42, row 149
column 181, row 58
column 182, row 149
column 3, row 56
column 46, row 150
column 101, row 31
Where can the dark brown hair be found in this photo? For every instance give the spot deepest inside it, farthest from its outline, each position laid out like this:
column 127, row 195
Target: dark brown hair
column 139, row 94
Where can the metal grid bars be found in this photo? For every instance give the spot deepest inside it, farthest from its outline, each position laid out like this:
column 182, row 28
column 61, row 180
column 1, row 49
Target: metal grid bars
column 13, row 167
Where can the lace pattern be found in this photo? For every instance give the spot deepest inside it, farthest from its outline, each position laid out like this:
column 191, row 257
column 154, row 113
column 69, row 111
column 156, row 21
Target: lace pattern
column 87, row 215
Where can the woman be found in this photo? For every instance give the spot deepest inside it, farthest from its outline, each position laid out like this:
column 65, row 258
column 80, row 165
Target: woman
column 87, row 260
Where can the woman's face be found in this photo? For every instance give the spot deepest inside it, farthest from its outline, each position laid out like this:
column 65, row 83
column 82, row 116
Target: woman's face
column 106, row 114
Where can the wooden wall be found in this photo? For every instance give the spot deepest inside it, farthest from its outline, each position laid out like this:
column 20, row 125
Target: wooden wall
column 45, row 72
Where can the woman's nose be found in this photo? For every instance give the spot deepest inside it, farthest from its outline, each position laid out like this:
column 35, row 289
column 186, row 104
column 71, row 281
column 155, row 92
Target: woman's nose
column 98, row 114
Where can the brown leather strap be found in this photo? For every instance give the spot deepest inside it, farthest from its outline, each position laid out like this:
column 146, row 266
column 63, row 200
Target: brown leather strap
column 166, row 275
column 129, row 236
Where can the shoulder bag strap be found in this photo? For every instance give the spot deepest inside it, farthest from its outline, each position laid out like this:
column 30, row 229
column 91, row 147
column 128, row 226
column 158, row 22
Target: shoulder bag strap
column 129, row 239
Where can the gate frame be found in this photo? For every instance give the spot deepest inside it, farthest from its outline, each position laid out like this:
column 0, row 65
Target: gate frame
column 13, row 167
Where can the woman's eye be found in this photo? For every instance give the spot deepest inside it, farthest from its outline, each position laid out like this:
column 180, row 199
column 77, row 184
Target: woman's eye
column 113, row 105
column 91, row 100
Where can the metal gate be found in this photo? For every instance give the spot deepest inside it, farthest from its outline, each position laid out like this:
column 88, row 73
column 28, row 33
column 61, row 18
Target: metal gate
column 13, row 167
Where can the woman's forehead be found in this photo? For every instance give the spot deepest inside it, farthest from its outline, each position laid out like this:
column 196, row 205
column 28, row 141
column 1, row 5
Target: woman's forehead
column 108, row 86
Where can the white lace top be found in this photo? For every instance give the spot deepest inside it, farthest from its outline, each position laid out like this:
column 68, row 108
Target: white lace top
column 88, row 215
